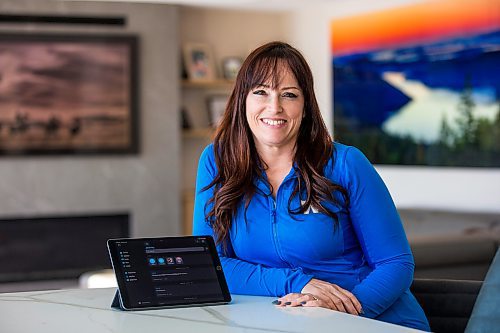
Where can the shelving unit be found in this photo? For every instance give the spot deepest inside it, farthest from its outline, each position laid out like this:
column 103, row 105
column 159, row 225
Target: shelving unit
column 194, row 96
column 215, row 84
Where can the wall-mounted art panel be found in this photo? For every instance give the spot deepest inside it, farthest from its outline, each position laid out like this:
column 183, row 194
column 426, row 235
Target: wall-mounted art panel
column 420, row 84
column 68, row 94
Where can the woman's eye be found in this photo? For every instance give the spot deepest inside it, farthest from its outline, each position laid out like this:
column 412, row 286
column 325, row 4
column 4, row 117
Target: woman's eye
column 289, row 95
column 259, row 92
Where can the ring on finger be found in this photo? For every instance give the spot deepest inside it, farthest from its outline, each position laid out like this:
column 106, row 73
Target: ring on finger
column 314, row 297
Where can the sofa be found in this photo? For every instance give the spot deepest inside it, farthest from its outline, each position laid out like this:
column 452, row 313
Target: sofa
column 451, row 245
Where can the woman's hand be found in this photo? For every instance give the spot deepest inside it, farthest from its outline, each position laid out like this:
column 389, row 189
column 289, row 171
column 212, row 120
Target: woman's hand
column 325, row 295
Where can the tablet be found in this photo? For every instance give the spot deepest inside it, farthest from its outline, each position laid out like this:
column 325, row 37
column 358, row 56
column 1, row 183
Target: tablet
column 167, row 272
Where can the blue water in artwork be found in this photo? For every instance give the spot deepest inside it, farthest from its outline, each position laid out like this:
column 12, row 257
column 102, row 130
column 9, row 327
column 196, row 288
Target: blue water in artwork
column 363, row 96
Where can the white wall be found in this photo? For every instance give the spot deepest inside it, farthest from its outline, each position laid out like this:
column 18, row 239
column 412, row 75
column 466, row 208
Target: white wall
column 461, row 189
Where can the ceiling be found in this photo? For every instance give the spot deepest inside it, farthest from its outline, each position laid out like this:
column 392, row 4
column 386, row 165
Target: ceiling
column 264, row 5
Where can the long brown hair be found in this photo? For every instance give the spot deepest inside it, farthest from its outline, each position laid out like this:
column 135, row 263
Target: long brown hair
column 238, row 162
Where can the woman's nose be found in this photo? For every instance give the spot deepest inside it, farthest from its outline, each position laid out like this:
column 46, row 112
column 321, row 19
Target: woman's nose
column 274, row 104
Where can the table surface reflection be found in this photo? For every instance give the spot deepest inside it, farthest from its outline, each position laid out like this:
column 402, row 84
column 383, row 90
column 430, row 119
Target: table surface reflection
column 88, row 310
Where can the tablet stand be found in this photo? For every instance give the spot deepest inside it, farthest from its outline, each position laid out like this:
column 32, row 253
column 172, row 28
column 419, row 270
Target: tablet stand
column 116, row 301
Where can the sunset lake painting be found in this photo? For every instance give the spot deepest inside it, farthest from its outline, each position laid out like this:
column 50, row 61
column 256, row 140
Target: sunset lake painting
column 420, row 84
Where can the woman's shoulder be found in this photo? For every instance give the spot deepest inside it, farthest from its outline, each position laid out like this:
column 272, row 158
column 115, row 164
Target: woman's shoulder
column 339, row 149
column 342, row 153
column 344, row 159
column 208, row 153
column 207, row 159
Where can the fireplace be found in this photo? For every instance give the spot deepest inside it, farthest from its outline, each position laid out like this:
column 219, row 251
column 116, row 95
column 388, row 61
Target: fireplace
column 57, row 247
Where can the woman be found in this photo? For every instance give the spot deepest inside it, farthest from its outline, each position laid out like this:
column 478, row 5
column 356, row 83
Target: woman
column 295, row 215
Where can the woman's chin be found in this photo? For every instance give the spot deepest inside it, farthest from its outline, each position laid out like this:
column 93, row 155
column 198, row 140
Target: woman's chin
column 275, row 142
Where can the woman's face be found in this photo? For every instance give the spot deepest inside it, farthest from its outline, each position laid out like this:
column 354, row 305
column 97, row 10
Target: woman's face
column 274, row 114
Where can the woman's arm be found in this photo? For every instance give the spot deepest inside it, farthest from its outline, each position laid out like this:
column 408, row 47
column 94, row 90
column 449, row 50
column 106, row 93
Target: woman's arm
column 242, row 277
column 380, row 233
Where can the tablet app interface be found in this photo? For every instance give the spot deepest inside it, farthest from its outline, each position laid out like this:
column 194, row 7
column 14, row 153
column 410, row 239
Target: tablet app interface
column 162, row 272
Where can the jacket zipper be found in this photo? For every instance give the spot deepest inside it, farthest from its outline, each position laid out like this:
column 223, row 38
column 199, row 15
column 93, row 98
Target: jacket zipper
column 274, row 228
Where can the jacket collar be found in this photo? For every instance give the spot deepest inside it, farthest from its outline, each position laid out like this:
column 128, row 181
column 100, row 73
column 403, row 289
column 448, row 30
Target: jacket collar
column 262, row 184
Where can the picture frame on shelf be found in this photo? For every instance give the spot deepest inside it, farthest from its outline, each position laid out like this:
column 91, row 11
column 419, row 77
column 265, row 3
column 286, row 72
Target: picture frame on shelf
column 69, row 94
column 198, row 62
column 216, row 106
column 231, row 66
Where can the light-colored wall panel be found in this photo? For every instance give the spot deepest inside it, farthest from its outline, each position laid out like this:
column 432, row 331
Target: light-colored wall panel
column 147, row 185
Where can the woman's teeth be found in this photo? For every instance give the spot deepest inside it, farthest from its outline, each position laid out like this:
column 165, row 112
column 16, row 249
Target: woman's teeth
column 273, row 122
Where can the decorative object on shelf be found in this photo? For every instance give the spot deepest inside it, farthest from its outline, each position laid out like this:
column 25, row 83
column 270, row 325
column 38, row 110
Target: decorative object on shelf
column 199, row 62
column 186, row 121
column 216, row 106
column 68, row 94
column 231, row 66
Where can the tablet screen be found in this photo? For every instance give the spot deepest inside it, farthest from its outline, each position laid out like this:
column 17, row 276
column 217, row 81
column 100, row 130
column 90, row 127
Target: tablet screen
column 168, row 271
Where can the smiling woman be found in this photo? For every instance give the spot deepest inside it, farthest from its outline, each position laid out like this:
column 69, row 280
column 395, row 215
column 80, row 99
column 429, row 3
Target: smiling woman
column 274, row 114
column 328, row 233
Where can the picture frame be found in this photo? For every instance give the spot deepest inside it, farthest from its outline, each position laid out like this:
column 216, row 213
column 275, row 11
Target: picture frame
column 198, row 62
column 231, row 66
column 430, row 96
column 216, row 106
column 69, row 94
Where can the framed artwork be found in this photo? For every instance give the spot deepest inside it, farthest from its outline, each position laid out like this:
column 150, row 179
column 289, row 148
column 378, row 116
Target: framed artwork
column 199, row 62
column 420, row 84
column 231, row 66
column 68, row 94
column 216, row 106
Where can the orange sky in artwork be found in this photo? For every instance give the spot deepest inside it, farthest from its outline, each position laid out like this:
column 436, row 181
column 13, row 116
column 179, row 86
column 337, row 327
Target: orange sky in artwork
column 425, row 21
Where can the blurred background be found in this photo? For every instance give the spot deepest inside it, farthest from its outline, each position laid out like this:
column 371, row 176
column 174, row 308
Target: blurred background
column 147, row 80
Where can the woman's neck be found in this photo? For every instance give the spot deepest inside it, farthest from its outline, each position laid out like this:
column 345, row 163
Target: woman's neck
column 276, row 156
column 279, row 162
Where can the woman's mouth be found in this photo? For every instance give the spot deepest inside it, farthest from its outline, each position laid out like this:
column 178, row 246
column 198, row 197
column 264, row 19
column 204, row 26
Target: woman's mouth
column 274, row 122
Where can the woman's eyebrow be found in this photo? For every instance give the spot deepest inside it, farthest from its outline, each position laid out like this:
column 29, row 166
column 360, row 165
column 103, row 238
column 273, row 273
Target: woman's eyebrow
column 268, row 86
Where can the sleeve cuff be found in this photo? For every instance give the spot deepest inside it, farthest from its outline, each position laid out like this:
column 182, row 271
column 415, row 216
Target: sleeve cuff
column 299, row 283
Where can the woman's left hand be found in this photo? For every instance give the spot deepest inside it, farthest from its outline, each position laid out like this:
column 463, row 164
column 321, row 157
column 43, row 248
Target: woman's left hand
column 323, row 294
column 309, row 300
column 295, row 299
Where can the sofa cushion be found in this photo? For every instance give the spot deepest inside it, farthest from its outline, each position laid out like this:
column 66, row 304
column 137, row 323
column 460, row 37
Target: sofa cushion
column 449, row 250
column 447, row 304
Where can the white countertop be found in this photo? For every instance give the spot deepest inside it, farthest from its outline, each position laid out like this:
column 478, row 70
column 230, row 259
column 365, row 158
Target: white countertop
column 88, row 310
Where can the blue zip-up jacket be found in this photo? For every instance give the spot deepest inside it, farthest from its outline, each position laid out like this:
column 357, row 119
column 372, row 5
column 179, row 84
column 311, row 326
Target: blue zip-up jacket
column 275, row 253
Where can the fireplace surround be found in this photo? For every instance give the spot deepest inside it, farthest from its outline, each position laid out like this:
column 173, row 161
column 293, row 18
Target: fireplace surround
column 57, row 247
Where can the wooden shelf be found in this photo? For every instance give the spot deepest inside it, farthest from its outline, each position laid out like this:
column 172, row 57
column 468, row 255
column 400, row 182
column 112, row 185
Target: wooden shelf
column 220, row 83
column 198, row 133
